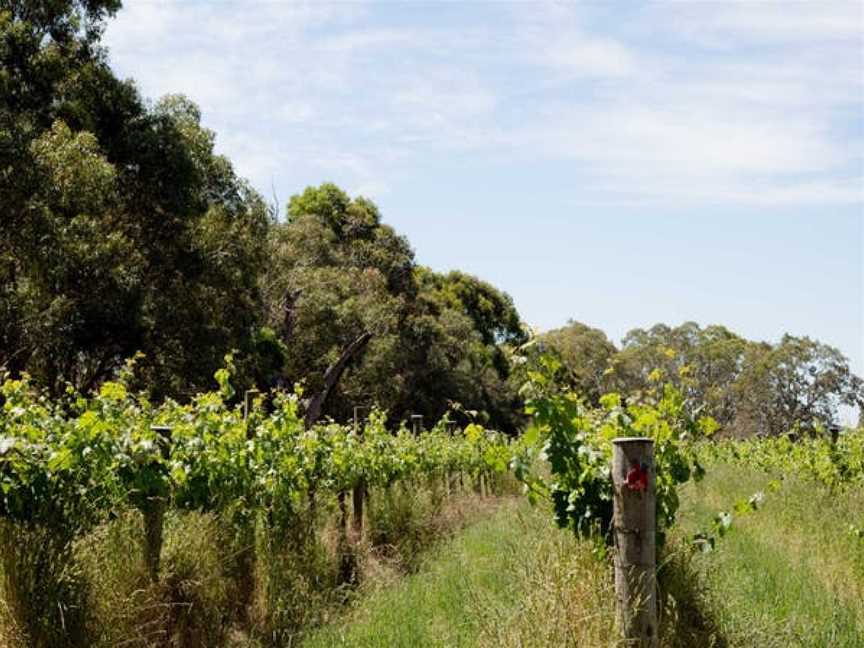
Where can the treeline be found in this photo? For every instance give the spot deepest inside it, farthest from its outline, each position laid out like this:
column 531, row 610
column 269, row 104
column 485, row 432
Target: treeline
column 749, row 388
column 123, row 232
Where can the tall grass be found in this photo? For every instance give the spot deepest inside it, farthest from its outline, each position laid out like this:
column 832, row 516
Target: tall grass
column 510, row 579
column 790, row 574
column 44, row 595
column 267, row 586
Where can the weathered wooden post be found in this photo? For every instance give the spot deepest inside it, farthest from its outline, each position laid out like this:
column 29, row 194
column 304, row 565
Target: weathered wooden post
column 358, row 494
column 154, row 512
column 247, row 559
column 634, row 528
column 344, row 549
column 417, row 423
column 448, row 476
column 248, row 401
column 357, row 410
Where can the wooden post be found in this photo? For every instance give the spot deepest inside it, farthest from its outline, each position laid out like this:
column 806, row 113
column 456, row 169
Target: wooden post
column 357, row 410
column 357, row 494
column 154, row 513
column 417, row 423
column 246, row 559
column 346, row 557
column 248, row 400
column 834, row 430
column 634, row 528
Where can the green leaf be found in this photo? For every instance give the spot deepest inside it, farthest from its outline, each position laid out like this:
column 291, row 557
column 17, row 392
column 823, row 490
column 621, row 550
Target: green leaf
column 60, row 460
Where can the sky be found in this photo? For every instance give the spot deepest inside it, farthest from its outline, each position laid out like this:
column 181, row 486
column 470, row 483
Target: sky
column 616, row 163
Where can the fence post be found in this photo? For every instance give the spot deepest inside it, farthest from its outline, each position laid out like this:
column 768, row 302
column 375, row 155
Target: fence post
column 346, row 556
column 834, row 431
column 154, row 512
column 248, row 400
column 247, row 559
column 358, row 494
column 417, row 423
column 448, row 475
column 357, row 410
column 634, row 528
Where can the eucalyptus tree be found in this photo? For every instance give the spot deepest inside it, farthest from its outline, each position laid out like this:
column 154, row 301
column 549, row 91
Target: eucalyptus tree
column 798, row 384
column 122, row 230
column 337, row 273
column 586, row 355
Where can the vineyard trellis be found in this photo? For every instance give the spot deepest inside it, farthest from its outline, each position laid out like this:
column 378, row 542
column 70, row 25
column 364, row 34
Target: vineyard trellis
column 71, row 464
column 68, row 465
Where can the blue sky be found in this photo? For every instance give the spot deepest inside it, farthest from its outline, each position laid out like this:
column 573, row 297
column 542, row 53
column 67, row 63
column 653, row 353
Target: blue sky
column 616, row 163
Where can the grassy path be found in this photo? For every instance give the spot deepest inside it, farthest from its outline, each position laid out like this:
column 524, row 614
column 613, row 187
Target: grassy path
column 508, row 580
column 787, row 575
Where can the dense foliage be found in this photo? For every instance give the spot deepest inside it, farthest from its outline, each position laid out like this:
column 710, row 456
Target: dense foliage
column 336, row 271
column 576, row 439
column 747, row 387
column 124, row 231
column 70, row 463
column 836, row 464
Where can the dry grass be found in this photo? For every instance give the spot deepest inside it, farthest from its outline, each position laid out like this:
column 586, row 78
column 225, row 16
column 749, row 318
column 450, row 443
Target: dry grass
column 188, row 606
column 43, row 595
column 566, row 594
column 510, row 579
column 96, row 591
column 499, row 574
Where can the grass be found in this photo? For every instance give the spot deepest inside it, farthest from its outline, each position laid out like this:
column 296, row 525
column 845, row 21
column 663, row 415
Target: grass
column 95, row 590
column 789, row 574
column 436, row 572
column 511, row 579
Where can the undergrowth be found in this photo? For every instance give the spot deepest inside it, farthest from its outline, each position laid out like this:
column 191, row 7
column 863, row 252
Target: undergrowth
column 213, row 589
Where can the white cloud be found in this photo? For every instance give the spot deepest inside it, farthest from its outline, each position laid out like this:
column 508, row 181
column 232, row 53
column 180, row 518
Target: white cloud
column 775, row 21
column 581, row 56
column 373, row 38
column 744, row 103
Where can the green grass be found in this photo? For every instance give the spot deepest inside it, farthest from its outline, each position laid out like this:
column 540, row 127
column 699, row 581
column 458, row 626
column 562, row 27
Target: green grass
column 512, row 579
column 789, row 574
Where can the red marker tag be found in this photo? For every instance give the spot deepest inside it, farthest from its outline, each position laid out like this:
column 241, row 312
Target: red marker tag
column 637, row 477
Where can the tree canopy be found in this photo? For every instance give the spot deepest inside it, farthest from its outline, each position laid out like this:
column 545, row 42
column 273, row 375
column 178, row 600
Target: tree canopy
column 125, row 232
column 748, row 387
column 336, row 271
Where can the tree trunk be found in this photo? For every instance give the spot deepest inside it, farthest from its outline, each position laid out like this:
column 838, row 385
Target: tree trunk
column 316, row 404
